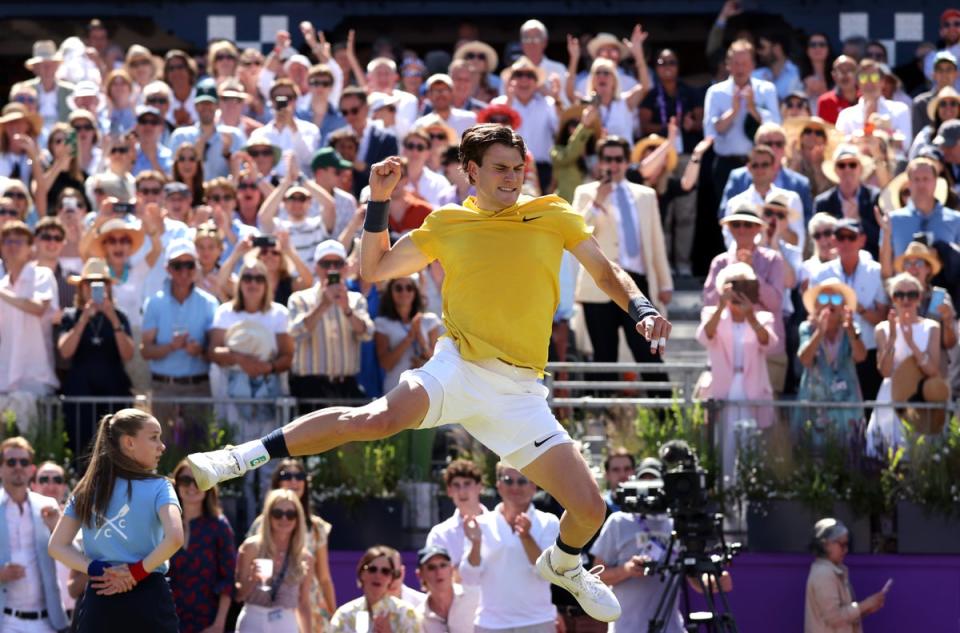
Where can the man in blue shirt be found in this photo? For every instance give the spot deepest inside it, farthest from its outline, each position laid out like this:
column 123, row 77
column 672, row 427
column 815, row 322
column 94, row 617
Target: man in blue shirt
column 213, row 141
column 151, row 153
column 777, row 67
column 176, row 324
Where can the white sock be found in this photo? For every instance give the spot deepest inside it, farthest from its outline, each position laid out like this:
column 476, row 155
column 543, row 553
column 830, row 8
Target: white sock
column 252, row 454
column 561, row 561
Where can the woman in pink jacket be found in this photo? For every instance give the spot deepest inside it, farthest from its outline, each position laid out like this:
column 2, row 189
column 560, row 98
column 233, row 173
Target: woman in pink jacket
column 738, row 339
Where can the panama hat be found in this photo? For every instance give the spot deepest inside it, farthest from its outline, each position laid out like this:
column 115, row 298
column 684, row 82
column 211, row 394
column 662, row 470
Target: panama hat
column 908, row 381
column 117, row 225
column 607, row 39
column 919, row 250
column 523, row 63
column 744, row 213
column 43, row 51
column 890, row 196
column 435, row 121
column 654, row 141
column 483, row 48
column 832, row 283
column 94, row 269
column 779, row 201
column 947, row 92
column 258, row 139
column 19, row 112
column 829, row 166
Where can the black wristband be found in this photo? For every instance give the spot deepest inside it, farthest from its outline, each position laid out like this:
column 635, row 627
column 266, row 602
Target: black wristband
column 640, row 308
column 377, row 218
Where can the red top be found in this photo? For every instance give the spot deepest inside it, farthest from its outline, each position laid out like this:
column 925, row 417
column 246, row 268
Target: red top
column 829, row 105
column 417, row 211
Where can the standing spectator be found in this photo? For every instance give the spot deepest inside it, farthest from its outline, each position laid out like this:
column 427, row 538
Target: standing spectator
column 533, row 41
column 201, row 573
column 944, row 74
column 95, row 337
column 608, row 46
column 855, row 268
column 672, row 98
column 950, row 38
column 373, row 143
column 280, row 259
column 423, row 181
column 733, row 110
column 209, row 244
column 176, row 327
column 116, row 240
column 139, row 63
column 817, row 59
column 382, row 77
column 821, row 232
column 285, row 130
column 280, row 601
column 63, row 171
column 305, row 231
column 829, row 606
column 579, row 130
column 180, row 73
column 944, row 106
column 326, row 166
column 51, row 481
column 810, row 141
column 118, row 115
column 31, row 595
column 151, row 153
column 844, row 93
column 212, row 141
column 464, row 482
column 404, row 332
column 49, row 237
column 233, row 101
column 775, row 66
column 851, row 198
column 19, row 156
column 375, row 610
column 440, row 92
column 327, row 324
column 27, row 292
column 504, row 546
column 619, row 466
column 188, row 170
column 52, row 93
column 464, row 84
column 449, row 605
column 321, row 109
column 853, row 119
column 157, row 94
column 89, row 152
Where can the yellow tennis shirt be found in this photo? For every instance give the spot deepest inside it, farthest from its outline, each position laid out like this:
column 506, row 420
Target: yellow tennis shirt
column 501, row 284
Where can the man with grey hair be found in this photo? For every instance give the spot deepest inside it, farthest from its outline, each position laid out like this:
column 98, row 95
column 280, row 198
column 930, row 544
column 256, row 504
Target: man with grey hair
column 534, row 40
column 382, row 77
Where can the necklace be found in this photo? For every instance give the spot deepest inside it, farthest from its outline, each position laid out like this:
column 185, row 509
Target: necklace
column 96, row 339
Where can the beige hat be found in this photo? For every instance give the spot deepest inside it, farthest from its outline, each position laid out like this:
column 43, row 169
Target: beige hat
column 483, row 48
column 831, row 284
column 523, row 63
column 919, row 250
column 847, row 151
column 779, row 201
column 607, row 39
column 117, row 225
column 434, row 120
column 654, row 141
column 43, row 51
column 16, row 112
column 744, row 213
column 890, row 196
column 947, row 92
column 94, row 269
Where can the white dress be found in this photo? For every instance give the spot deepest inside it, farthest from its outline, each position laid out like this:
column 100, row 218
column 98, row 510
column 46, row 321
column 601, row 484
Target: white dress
column 884, row 431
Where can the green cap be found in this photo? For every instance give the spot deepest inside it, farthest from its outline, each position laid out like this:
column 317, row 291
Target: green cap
column 329, row 157
column 206, row 91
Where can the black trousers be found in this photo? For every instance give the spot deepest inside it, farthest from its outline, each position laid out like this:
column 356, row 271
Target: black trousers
column 147, row 608
column 323, row 387
column 604, row 321
column 869, row 376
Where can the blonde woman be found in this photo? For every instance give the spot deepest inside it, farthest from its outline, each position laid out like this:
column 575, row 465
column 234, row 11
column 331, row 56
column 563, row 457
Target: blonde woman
column 222, row 61
column 278, row 602
column 209, row 243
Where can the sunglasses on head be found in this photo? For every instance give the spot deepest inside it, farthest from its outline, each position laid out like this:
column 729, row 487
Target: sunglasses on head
column 220, row 197
column 50, row 237
column 383, row 571
column 814, row 131
column 846, row 236
column 514, row 481
column 248, row 278
column 113, row 241
column 297, row 475
column 613, row 159
column 351, row 111
column 13, row 462
column 821, row 234
column 415, row 147
column 178, row 266
column 898, row 295
column 260, row 153
column 830, row 299
column 289, row 515
column 186, row 481
column 50, row 479
column 320, row 83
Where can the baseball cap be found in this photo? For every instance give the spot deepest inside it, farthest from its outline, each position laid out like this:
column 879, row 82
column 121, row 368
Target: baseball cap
column 175, row 187
column 303, row 60
column 328, row 157
column 206, row 91
column 430, row 551
column 145, row 110
column 329, row 247
column 295, row 190
column 950, row 13
column 181, row 246
column 377, row 100
column 650, row 466
column 848, row 224
column 944, row 56
column 442, row 78
column 949, row 134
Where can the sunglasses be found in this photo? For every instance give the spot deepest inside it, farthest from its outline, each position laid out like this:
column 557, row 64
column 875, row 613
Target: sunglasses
column 760, row 165
column 327, row 264
column 817, row 44
column 320, row 83
column 296, row 476
column 10, row 212
column 178, row 266
column 14, row 242
column 913, row 263
column 150, row 191
column 260, row 153
column 46, row 479
column 950, row 104
column 736, row 224
column 436, row 566
column 793, row 104
column 22, row 462
column 61, row 140
column 815, row 132
column 113, row 241
column 442, row 136
column 157, row 100
column 474, row 55
column 83, row 128
column 26, row 99
column 821, row 234
column 898, row 295
column 351, row 111
column 186, row 481
column 140, row 62
column 770, row 213
column 774, row 144
column 16, row 195
column 289, row 515
column 173, row 67
column 119, row 150
column 247, row 185
column 185, row 158
column 845, row 236
column 949, row 24
column 523, row 74
column 415, row 147
column 404, row 288
column 150, row 121
column 383, row 571
column 868, row 77
column 830, row 299
column 220, row 198
column 511, row 481
column 247, row 278
column 603, row 72
column 853, row 164
column 50, row 237
column 613, row 159
column 221, row 57
column 297, row 197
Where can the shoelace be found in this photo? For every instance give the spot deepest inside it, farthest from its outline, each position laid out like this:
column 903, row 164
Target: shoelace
column 591, row 579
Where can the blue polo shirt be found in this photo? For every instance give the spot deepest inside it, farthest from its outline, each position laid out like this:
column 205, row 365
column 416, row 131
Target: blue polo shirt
column 942, row 223
column 164, row 314
column 164, row 157
column 215, row 165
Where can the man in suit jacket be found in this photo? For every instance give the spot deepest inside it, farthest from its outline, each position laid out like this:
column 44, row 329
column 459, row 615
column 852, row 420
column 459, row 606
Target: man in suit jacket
column 30, row 599
column 626, row 221
column 850, row 198
column 376, row 143
column 771, row 134
column 52, row 93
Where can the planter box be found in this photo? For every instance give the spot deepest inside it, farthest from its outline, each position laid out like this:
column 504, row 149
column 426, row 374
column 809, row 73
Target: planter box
column 357, row 526
column 921, row 532
column 781, row 525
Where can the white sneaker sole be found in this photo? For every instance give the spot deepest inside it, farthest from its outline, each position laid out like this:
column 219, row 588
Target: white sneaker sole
column 204, row 471
column 596, row 610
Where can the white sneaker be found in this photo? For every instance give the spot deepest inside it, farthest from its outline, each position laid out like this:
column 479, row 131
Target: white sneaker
column 594, row 596
column 211, row 468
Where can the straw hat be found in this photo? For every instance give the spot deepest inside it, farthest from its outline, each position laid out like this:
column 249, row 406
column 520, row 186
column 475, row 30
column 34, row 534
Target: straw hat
column 654, row 141
column 94, row 269
column 832, row 284
column 847, row 151
column 575, row 113
column 890, row 196
column 18, row 112
column 793, row 129
column 523, row 63
column 117, row 225
column 778, row 201
column 435, row 121
column 947, row 92
column 259, row 139
column 483, row 48
column 502, row 109
column 919, row 250
column 906, row 382
column 607, row 39
column 43, row 51
column 744, row 213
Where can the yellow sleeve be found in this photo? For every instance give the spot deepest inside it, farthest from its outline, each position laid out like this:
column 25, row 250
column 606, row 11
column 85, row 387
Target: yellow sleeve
column 573, row 227
column 425, row 237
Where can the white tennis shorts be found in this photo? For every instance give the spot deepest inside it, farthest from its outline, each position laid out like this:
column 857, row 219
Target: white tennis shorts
column 503, row 406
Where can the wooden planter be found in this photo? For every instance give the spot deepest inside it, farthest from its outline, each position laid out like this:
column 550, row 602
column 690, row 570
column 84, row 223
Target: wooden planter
column 786, row 525
column 921, row 532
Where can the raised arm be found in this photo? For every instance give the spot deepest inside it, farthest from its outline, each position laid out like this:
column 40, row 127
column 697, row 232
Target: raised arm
column 636, row 94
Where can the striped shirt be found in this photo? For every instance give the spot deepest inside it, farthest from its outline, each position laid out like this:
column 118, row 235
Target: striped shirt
column 331, row 348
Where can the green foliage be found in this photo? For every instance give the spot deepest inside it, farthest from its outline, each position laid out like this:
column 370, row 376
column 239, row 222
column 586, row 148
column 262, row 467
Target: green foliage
column 47, row 436
column 925, row 471
column 655, row 427
column 360, row 470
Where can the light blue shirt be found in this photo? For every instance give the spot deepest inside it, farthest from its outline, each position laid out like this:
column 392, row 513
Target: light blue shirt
column 214, row 163
column 165, row 315
column 569, row 267
column 172, row 229
column 240, row 231
column 719, row 99
column 867, row 283
column 787, row 82
column 164, row 157
column 942, row 225
column 131, row 528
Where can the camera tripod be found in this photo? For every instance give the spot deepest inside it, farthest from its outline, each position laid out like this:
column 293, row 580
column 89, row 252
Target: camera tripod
column 699, row 567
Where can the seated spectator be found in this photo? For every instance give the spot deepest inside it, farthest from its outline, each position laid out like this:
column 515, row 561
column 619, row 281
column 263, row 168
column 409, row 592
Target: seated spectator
column 375, row 609
column 63, row 169
column 851, row 198
column 422, row 181
column 89, row 150
column 327, row 167
column 820, row 230
column 209, row 244
column 463, row 481
column 577, row 134
column 942, row 107
column 829, row 603
column 202, row 572
column 815, row 66
column 117, row 114
column 49, row 239
column 738, row 339
column 905, row 335
column 869, row 80
column 377, row 143
column 285, row 130
column 321, row 109
column 305, row 231
column 188, row 169
column 328, row 323
column 504, row 546
column 407, row 209
column 944, row 74
column 465, row 80
column 95, row 336
column 830, row 348
column 234, row 100
column 449, row 606
column 398, row 588
column 440, row 93
column 27, row 292
column 404, row 333
column 810, row 142
column 151, row 154
column 276, row 596
column 773, row 52
column 671, row 98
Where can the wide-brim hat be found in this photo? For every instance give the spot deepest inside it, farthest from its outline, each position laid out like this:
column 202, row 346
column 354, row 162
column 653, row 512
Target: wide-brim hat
column 494, row 109
column 829, row 167
column 654, row 141
column 779, row 201
column 434, row 121
column 793, row 129
column 19, row 112
column 919, row 250
column 117, row 225
column 947, row 92
column 607, row 39
column 744, row 213
column 523, row 63
column 43, row 51
column 259, row 140
column 94, row 269
column 476, row 46
column 890, row 196
column 252, row 338
column 85, row 88
column 81, row 114
column 832, row 284
column 906, row 381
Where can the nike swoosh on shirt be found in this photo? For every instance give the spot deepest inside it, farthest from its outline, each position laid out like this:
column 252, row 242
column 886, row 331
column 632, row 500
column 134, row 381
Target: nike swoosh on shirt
column 544, row 440
column 536, row 217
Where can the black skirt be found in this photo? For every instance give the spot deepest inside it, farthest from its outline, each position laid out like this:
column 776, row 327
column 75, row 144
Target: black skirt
column 147, row 608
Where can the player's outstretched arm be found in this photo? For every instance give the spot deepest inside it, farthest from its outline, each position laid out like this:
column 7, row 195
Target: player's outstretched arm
column 618, row 285
column 378, row 260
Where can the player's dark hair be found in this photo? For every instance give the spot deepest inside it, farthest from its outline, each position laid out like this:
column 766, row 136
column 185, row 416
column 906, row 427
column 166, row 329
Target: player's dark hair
column 478, row 139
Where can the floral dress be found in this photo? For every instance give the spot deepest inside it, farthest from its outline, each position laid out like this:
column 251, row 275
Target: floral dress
column 201, row 571
column 402, row 616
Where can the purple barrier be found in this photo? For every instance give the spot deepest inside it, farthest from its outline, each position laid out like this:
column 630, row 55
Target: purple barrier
column 768, row 590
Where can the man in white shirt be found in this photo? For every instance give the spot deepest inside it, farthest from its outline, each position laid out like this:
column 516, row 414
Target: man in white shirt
column 534, row 40
column 463, row 480
column 870, row 80
column 449, row 607
column 440, row 94
column 286, row 131
column 950, row 34
column 382, row 77
column 424, row 182
column 504, row 546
